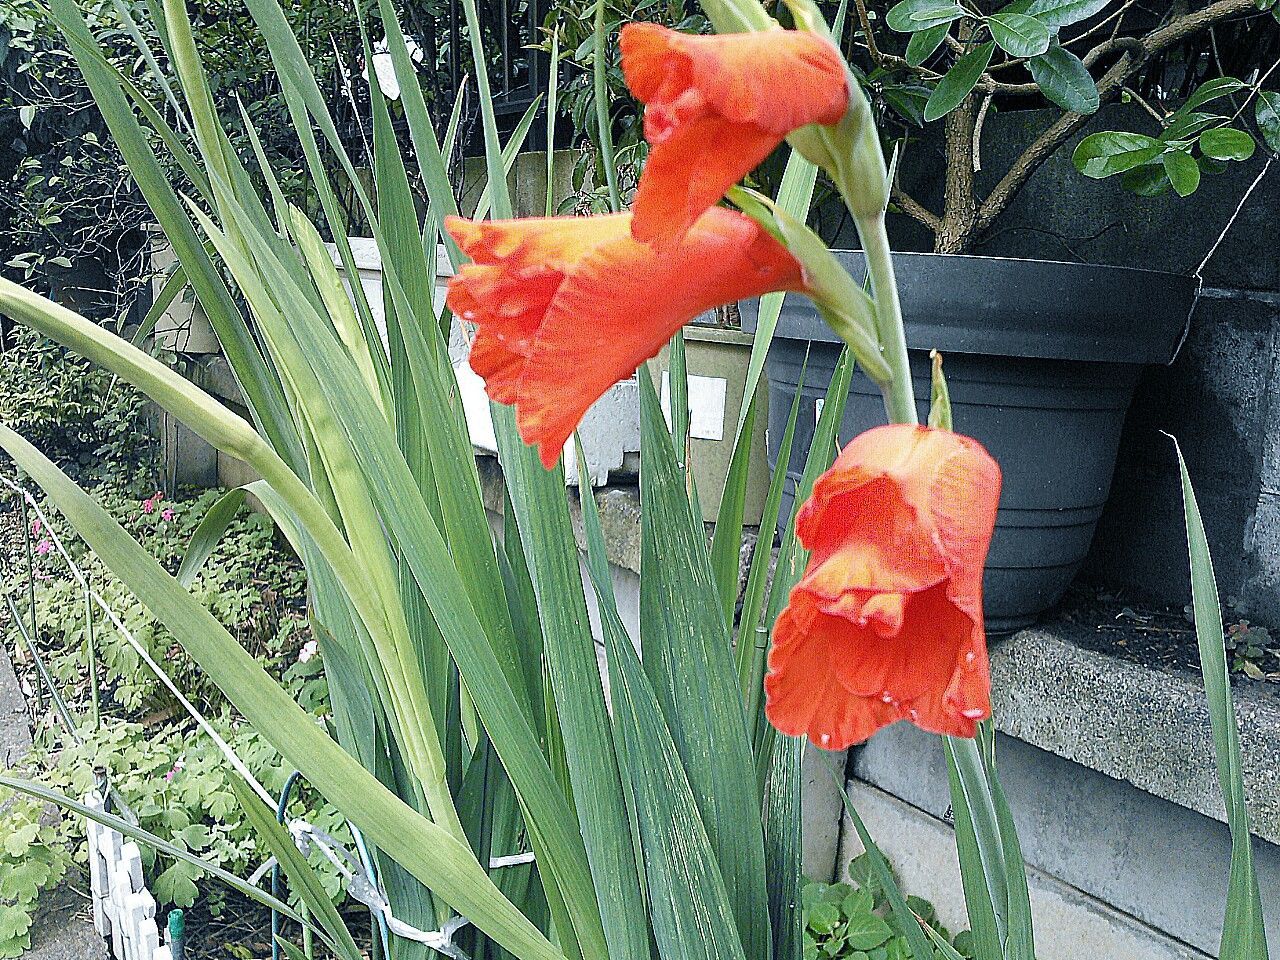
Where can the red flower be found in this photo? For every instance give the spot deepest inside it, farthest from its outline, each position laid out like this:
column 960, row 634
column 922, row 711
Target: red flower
column 568, row 306
column 715, row 107
column 886, row 623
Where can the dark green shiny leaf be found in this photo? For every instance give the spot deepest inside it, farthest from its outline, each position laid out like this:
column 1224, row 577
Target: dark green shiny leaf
column 1065, row 80
column 1227, row 143
column 959, row 81
column 1018, row 34
column 1105, row 154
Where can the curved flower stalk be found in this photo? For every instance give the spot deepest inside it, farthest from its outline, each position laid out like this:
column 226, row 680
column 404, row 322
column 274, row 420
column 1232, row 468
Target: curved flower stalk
column 567, row 306
column 886, row 623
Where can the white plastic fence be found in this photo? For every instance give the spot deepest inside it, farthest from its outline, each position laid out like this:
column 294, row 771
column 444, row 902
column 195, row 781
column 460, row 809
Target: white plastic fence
column 124, row 911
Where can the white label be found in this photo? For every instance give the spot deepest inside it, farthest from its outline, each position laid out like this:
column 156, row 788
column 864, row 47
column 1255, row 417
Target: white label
column 706, row 405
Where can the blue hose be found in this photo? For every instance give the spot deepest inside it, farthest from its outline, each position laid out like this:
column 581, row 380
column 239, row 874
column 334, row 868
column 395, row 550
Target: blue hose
column 275, row 871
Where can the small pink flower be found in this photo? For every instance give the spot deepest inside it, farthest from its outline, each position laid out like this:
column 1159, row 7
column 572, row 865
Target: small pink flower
column 173, row 771
column 309, row 650
column 167, row 513
column 36, row 527
column 148, row 505
column 43, row 547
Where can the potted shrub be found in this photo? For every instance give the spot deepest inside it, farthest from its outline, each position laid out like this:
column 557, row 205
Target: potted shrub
column 1057, row 345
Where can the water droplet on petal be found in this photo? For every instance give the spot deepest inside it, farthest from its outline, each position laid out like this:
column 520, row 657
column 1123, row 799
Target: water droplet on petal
column 824, row 739
column 973, row 713
column 970, row 657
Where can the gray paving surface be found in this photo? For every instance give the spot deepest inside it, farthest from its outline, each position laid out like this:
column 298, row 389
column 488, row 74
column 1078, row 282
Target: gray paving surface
column 63, row 929
column 15, row 730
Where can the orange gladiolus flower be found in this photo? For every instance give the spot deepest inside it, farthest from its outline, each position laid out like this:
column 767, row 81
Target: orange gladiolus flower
column 568, row 306
column 715, row 107
column 886, row 623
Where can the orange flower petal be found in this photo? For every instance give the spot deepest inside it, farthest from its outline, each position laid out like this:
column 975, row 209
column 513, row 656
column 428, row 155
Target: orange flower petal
column 804, row 697
column 541, row 242
column 567, row 307
column 965, row 490
column 868, row 537
column 777, row 80
column 715, row 107
column 898, row 530
column 837, row 682
column 682, row 178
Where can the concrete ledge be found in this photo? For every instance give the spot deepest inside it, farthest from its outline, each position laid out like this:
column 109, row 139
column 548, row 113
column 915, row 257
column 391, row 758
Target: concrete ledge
column 1069, row 924
column 1145, row 726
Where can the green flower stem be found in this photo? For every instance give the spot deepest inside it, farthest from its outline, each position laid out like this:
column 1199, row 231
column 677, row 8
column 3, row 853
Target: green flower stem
column 899, row 394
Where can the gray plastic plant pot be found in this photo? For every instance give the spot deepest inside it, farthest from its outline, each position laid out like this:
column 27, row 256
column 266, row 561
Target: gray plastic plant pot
column 1041, row 358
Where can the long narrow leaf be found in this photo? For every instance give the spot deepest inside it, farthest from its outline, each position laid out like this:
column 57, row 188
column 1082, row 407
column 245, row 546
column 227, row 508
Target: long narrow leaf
column 262, row 389
column 1243, row 934
column 978, row 873
column 784, row 847
column 600, row 94
column 795, row 194
column 510, row 151
column 489, row 680
column 792, row 557
column 430, row 158
column 302, row 876
column 208, row 533
column 545, row 530
column 1020, row 944
column 753, row 634
column 726, row 541
column 692, row 915
column 907, row 920
column 688, row 661
column 553, row 91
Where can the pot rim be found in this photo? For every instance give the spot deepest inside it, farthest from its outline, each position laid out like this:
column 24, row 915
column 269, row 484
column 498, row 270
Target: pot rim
column 855, row 253
column 1013, row 307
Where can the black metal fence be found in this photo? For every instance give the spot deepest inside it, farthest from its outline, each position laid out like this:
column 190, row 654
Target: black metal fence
column 518, row 72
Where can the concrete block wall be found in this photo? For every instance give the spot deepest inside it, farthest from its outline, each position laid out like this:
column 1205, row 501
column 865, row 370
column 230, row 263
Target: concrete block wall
column 1068, row 923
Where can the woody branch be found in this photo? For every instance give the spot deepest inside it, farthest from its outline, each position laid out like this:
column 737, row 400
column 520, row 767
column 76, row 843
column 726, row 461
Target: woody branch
column 963, row 215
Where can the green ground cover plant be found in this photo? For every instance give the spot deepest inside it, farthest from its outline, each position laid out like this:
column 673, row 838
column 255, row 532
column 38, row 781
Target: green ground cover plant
column 171, row 776
column 855, row 920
